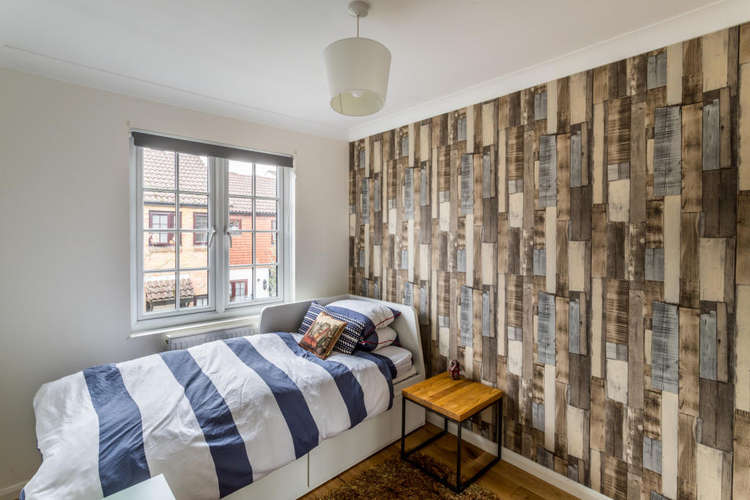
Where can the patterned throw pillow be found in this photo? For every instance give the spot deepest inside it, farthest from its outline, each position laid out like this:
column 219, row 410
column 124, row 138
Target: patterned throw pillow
column 322, row 335
column 361, row 318
column 349, row 337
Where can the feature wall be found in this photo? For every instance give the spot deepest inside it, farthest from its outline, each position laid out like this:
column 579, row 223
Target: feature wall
column 584, row 245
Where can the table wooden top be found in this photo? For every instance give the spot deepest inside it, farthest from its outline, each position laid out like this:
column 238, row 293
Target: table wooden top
column 455, row 399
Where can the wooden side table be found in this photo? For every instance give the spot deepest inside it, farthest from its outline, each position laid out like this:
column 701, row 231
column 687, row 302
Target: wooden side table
column 454, row 400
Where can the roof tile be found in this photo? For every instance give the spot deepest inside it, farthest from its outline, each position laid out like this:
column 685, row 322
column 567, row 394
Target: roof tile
column 163, row 290
column 159, row 173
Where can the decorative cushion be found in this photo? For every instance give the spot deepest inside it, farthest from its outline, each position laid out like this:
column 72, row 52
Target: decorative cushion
column 361, row 316
column 378, row 339
column 349, row 337
column 322, row 335
column 380, row 315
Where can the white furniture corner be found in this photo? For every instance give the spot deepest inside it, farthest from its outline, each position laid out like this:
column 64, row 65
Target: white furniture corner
column 155, row 488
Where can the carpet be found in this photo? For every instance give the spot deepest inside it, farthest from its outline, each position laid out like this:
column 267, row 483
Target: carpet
column 396, row 478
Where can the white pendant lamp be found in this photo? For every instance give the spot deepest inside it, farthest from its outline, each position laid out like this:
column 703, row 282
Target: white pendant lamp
column 357, row 70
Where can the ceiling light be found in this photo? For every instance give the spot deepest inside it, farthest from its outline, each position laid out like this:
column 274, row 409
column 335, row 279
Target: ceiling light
column 357, row 70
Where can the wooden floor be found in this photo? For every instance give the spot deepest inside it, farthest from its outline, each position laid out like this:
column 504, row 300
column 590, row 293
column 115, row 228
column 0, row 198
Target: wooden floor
column 506, row 481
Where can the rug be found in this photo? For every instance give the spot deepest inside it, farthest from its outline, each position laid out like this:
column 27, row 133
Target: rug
column 396, row 478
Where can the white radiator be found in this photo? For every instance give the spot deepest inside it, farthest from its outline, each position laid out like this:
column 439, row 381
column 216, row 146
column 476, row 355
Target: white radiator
column 176, row 341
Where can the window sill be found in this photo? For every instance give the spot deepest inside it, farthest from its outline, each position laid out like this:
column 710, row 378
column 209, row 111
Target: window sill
column 199, row 327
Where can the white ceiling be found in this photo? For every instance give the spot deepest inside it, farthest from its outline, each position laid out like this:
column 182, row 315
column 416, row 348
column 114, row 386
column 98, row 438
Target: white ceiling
column 262, row 60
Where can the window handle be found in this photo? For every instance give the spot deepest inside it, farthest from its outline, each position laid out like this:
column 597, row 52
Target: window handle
column 211, row 236
column 229, row 234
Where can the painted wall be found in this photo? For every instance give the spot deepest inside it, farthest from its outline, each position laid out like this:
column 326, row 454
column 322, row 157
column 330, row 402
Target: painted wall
column 584, row 245
column 65, row 251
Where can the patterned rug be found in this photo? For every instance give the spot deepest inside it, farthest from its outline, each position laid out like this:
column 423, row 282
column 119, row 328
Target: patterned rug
column 396, row 478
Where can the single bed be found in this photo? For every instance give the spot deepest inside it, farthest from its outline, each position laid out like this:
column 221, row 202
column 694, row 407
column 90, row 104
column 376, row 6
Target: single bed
column 402, row 361
column 250, row 417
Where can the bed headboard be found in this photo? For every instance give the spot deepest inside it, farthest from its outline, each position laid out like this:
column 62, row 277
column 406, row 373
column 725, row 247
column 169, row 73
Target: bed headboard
column 287, row 318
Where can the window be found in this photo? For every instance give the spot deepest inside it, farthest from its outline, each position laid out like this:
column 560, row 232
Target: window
column 236, row 212
column 253, row 206
column 160, row 220
column 200, row 221
column 239, row 288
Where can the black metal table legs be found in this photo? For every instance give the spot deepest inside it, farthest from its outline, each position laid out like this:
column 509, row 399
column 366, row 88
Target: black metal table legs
column 460, row 485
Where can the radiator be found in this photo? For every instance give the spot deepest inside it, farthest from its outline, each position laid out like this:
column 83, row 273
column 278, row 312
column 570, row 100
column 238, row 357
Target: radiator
column 173, row 342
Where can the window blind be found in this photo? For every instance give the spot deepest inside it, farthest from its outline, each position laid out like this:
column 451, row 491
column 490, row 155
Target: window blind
column 206, row 149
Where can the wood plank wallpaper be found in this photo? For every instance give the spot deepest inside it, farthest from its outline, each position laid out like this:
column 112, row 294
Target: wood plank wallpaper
column 585, row 246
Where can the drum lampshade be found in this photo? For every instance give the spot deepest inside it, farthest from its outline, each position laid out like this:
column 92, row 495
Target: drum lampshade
column 358, row 71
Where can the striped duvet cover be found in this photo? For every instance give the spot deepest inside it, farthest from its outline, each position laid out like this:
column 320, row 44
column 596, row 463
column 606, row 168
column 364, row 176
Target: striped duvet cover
column 212, row 418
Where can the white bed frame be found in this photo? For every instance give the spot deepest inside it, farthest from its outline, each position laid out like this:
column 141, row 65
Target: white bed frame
column 333, row 456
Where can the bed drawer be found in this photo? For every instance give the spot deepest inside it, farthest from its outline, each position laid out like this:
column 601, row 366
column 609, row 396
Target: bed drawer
column 288, row 482
column 335, row 455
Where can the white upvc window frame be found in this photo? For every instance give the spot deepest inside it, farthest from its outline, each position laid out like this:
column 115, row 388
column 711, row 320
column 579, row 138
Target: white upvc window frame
column 219, row 306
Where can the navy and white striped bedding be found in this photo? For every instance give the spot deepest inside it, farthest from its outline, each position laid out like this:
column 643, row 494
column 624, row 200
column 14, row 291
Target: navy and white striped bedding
column 212, row 419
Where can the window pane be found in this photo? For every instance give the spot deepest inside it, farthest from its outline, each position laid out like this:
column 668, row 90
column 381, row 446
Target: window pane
column 159, row 217
column 200, row 221
column 241, row 212
column 240, row 178
column 191, row 204
column 158, row 169
column 192, row 255
column 266, row 212
column 266, row 282
column 201, row 239
column 265, row 248
column 158, row 251
column 235, row 223
column 193, row 289
column 193, row 173
column 158, row 210
column 241, row 249
column 265, row 178
column 158, row 292
column 199, row 242
column 239, row 284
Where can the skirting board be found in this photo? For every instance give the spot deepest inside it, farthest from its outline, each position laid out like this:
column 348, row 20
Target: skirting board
column 513, row 458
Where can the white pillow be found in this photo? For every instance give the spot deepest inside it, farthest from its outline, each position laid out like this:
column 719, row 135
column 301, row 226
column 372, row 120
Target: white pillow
column 364, row 315
column 376, row 312
column 382, row 337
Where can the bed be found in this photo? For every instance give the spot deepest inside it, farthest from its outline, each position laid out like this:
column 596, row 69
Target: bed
column 249, row 417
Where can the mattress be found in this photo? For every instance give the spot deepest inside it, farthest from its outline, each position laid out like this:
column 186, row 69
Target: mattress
column 401, row 359
column 399, row 356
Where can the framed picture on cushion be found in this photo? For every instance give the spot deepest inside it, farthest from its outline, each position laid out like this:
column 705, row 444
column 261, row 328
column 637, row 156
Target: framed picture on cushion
column 322, row 335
